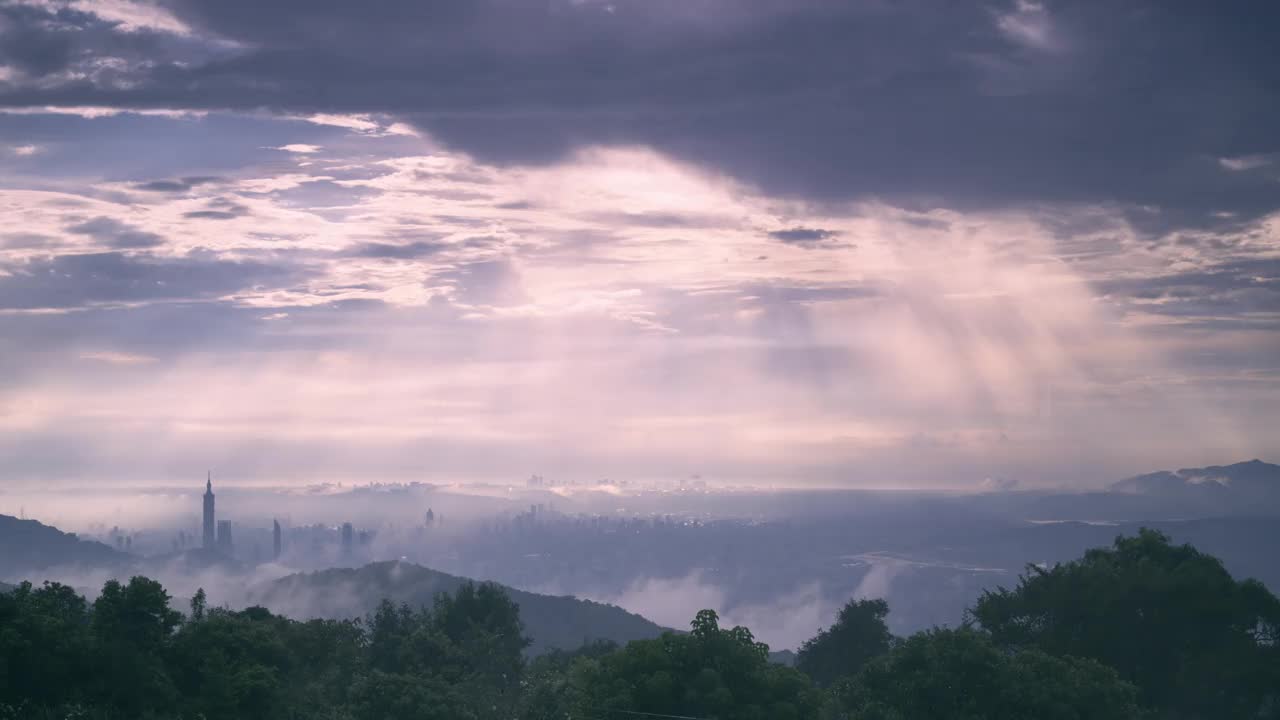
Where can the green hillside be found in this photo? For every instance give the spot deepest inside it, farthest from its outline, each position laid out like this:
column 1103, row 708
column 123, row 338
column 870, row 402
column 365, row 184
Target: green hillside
column 550, row 621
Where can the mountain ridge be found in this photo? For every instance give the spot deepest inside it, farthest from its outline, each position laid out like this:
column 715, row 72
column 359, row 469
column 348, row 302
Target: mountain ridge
column 552, row 621
column 30, row 545
column 1249, row 485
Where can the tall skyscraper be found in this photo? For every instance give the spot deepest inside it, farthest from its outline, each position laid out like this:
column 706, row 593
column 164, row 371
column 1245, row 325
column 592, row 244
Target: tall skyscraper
column 275, row 540
column 210, row 528
column 347, row 532
column 224, row 536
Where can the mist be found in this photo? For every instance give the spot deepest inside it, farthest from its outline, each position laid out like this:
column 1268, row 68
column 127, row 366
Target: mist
column 780, row 562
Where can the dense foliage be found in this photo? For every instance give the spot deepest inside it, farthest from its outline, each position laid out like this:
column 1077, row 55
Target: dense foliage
column 962, row 675
column 1143, row 629
column 709, row 672
column 129, row 656
column 1169, row 618
column 858, row 635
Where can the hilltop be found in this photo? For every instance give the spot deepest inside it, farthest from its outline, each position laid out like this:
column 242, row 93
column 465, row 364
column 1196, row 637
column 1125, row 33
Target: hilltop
column 1252, row 486
column 550, row 621
column 30, row 545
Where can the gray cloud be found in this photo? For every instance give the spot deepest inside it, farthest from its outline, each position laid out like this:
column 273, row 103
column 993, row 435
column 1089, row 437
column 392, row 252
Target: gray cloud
column 212, row 215
column 116, row 234
column 179, row 185
column 27, row 240
column 219, row 209
column 71, row 281
column 392, row 251
column 917, row 103
column 803, row 235
column 1229, row 291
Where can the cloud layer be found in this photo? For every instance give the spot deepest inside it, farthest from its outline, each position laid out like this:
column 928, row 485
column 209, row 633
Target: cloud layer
column 798, row 242
column 975, row 104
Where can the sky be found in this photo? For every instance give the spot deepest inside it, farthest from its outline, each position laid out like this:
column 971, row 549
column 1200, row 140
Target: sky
column 778, row 242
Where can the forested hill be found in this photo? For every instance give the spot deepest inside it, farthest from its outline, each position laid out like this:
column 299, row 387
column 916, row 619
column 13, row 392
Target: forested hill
column 30, row 545
column 550, row 621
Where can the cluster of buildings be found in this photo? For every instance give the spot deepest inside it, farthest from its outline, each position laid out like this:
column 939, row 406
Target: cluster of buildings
column 217, row 533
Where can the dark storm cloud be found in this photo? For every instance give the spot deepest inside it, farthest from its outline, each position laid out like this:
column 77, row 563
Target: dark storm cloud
column 40, row 41
column 953, row 104
column 116, row 234
column 71, row 281
column 31, row 42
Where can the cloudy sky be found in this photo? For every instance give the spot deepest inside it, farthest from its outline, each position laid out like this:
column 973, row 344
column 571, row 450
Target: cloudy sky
column 844, row 242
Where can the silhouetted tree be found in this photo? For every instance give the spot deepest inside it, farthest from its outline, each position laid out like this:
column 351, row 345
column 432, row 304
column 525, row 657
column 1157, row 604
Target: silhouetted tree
column 132, row 624
column 963, row 675
column 46, row 649
column 548, row 691
column 1169, row 618
column 858, row 635
column 198, row 603
column 709, row 672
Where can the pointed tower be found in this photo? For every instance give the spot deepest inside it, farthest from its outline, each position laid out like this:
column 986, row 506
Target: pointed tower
column 275, row 540
column 210, row 534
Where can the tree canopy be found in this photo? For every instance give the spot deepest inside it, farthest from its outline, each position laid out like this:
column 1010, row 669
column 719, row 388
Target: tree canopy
column 1167, row 617
column 962, row 675
column 1140, row 629
column 709, row 672
column 858, row 635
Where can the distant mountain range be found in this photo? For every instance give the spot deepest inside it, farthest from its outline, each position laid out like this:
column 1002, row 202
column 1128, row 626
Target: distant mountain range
column 1251, row 486
column 551, row 621
column 1252, row 477
column 27, row 545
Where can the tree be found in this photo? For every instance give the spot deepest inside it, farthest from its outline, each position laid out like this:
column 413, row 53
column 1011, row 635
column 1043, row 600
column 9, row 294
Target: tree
column 131, row 624
column 46, row 649
column 480, row 631
column 391, row 696
column 1169, row 618
column 391, row 633
column 710, row 672
column 232, row 665
column 858, row 636
column 471, row 643
column 199, row 602
column 962, row 675
column 547, row 690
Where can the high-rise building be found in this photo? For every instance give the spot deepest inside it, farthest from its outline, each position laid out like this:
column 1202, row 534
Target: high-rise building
column 224, row 536
column 347, row 532
column 275, row 540
column 209, row 527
